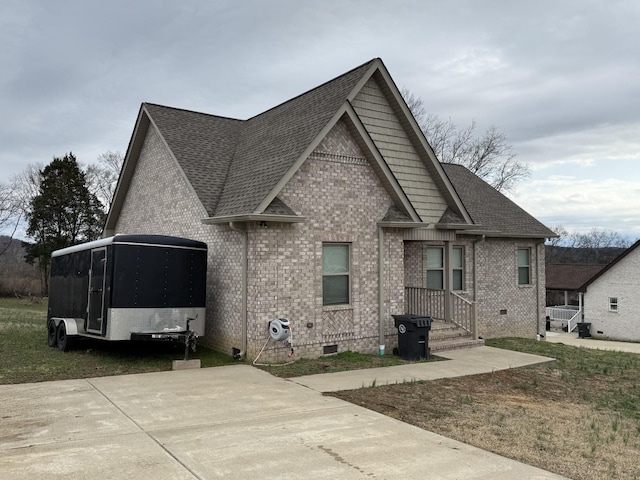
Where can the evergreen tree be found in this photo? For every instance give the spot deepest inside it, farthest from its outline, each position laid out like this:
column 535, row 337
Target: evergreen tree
column 63, row 213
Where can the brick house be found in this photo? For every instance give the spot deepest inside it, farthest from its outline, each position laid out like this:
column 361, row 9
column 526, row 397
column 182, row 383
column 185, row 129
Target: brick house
column 331, row 210
column 611, row 302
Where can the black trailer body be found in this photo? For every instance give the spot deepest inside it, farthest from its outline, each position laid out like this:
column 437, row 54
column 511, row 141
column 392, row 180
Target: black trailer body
column 128, row 287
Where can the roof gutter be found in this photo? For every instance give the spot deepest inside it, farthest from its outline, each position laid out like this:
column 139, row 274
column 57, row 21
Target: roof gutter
column 402, row 225
column 252, row 217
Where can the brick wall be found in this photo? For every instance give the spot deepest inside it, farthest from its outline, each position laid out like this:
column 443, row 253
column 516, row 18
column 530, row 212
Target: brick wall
column 504, row 307
column 160, row 201
column 341, row 197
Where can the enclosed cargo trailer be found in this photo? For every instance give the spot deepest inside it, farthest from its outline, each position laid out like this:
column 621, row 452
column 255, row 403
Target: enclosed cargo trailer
column 128, row 287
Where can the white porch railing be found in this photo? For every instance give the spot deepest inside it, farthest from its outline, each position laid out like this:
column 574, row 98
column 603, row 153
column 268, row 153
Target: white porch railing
column 568, row 314
column 432, row 303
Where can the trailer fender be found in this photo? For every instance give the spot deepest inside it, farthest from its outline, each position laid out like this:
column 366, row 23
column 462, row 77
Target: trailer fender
column 74, row 326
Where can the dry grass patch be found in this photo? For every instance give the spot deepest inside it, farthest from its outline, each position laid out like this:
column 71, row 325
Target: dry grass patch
column 579, row 418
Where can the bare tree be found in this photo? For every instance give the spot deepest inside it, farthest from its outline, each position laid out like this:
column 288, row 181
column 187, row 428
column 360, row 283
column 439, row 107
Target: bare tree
column 489, row 156
column 26, row 186
column 599, row 238
column 102, row 177
column 10, row 215
column 562, row 236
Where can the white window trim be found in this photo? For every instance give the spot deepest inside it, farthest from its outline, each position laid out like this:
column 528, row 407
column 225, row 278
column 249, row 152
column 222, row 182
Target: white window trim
column 612, row 303
column 336, row 306
column 439, row 269
column 462, row 268
column 528, row 267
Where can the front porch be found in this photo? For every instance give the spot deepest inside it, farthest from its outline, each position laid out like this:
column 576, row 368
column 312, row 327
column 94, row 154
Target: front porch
column 564, row 317
column 454, row 318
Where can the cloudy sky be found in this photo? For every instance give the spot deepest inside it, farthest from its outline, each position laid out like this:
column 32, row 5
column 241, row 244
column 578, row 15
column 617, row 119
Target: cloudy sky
column 560, row 78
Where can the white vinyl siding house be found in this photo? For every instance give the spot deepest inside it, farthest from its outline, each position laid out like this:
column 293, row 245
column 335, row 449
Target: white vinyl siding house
column 611, row 300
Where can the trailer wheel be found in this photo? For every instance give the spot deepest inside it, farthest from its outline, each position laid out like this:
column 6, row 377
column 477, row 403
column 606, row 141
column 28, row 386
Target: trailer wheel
column 64, row 341
column 52, row 339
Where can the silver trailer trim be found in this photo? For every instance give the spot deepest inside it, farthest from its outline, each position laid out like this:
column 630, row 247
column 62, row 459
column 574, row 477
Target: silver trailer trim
column 122, row 322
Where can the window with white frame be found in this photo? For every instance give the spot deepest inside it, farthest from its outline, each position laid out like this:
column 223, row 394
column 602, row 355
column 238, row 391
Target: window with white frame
column 613, row 304
column 457, row 268
column 524, row 266
column 435, row 268
column 336, row 282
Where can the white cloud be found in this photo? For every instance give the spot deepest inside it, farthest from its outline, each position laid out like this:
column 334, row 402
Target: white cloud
column 582, row 204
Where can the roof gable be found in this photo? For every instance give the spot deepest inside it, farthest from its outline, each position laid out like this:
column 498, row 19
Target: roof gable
column 238, row 167
column 615, row 262
column 272, row 142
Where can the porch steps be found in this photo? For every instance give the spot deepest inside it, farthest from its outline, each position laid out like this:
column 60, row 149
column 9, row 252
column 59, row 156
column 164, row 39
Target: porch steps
column 448, row 336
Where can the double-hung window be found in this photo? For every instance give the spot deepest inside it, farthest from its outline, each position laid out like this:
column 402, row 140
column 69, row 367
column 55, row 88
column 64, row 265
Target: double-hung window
column 613, row 304
column 457, row 268
column 335, row 274
column 435, row 268
column 524, row 266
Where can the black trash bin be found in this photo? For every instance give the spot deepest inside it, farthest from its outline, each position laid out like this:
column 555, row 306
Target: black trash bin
column 584, row 330
column 413, row 336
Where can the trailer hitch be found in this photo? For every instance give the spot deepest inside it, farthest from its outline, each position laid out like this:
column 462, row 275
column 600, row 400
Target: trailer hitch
column 190, row 338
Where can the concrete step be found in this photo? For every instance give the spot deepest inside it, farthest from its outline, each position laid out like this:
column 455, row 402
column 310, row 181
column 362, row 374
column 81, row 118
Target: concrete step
column 453, row 344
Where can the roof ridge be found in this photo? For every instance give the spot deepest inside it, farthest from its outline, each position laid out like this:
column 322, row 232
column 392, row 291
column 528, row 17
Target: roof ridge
column 222, row 117
column 315, row 88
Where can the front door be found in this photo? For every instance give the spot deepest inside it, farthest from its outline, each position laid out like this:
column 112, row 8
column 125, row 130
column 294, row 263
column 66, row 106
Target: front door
column 96, row 290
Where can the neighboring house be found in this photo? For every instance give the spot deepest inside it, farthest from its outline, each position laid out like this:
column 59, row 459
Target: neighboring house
column 564, row 300
column 611, row 299
column 331, row 210
column 563, row 282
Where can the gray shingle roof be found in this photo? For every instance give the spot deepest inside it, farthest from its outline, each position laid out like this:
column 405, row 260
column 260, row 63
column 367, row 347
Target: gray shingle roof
column 569, row 276
column 234, row 164
column 203, row 146
column 491, row 210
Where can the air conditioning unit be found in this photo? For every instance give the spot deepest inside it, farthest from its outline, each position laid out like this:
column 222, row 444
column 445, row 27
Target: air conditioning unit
column 280, row 329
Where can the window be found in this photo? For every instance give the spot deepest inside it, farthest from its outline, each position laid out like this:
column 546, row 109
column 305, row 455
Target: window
column 457, row 268
column 335, row 274
column 435, row 268
column 524, row 266
column 613, row 304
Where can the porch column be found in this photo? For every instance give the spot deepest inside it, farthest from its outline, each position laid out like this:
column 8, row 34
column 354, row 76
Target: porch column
column 448, row 282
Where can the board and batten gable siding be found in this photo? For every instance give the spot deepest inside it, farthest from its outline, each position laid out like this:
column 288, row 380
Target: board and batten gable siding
column 621, row 281
column 395, row 146
column 160, row 201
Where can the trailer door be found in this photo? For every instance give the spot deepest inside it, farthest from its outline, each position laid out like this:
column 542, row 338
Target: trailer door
column 96, row 290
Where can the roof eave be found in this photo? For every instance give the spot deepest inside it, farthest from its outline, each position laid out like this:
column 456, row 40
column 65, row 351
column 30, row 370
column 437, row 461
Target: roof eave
column 402, row 224
column 253, row 217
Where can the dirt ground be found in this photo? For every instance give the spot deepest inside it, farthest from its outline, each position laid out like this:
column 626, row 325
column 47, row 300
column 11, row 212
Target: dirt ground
column 534, row 415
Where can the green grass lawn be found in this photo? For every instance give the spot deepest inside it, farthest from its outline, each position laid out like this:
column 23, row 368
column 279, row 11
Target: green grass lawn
column 25, row 356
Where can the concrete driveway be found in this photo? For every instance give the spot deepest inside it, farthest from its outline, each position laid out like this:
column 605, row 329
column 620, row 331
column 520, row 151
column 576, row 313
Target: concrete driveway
column 226, row 422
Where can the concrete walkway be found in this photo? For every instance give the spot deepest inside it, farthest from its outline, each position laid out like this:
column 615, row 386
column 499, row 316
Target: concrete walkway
column 234, row 422
column 470, row 361
column 597, row 344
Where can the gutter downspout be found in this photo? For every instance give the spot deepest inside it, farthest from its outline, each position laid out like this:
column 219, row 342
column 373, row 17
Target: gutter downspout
column 381, row 313
column 475, row 285
column 243, row 315
column 540, row 333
